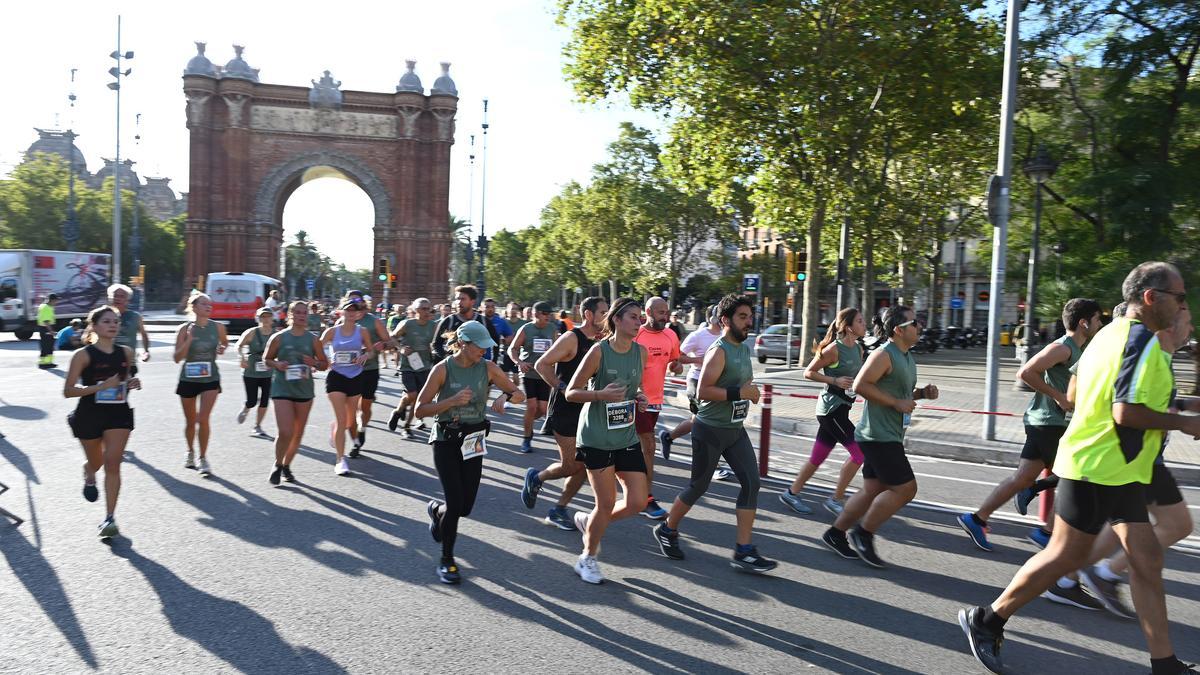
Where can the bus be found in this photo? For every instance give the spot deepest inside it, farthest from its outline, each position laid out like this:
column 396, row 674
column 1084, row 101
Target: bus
column 236, row 296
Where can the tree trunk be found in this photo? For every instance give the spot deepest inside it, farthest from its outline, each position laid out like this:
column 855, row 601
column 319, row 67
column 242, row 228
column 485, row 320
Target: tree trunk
column 612, row 292
column 812, row 282
column 868, row 287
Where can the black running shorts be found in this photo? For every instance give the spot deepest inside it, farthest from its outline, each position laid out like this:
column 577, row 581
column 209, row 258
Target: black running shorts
column 564, row 419
column 535, row 389
column 90, row 422
column 1163, row 490
column 370, row 382
column 1088, row 506
column 1041, row 443
column 413, row 380
column 886, row 462
column 194, row 389
column 626, row 459
column 338, row 383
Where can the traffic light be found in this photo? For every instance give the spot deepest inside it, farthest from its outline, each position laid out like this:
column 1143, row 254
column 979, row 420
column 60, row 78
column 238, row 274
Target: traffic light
column 791, row 266
column 801, row 267
column 796, row 267
column 391, row 280
column 385, row 269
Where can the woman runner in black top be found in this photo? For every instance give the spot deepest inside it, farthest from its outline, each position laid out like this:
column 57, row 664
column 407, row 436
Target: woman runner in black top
column 103, row 419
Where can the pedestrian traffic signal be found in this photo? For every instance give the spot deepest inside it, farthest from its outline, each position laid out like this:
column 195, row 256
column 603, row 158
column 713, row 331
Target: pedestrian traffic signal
column 385, row 269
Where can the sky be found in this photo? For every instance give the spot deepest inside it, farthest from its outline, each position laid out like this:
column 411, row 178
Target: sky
column 510, row 52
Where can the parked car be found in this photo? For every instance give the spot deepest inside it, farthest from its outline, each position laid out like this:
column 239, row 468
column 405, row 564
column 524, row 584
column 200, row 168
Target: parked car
column 772, row 342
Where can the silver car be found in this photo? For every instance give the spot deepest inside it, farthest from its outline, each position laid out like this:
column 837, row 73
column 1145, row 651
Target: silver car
column 772, row 342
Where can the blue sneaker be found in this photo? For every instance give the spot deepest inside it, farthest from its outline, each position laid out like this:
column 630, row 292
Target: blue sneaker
column 559, row 518
column 529, row 491
column 653, row 511
column 793, row 502
column 1021, row 500
column 977, row 532
column 527, row 445
column 1039, row 536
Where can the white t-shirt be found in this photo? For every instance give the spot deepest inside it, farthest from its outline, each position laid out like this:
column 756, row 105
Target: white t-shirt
column 696, row 344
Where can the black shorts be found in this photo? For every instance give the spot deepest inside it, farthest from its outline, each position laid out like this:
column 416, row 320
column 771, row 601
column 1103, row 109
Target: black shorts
column 886, row 462
column 1163, row 490
column 370, row 382
column 194, row 389
column 1088, row 506
column 564, row 418
column 90, row 422
column 293, row 399
column 507, row 364
column 413, row 380
column 693, row 402
column 1041, row 443
column 336, row 382
column 535, row 389
column 625, row 459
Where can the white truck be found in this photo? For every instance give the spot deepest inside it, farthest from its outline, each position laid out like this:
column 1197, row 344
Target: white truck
column 27, row 276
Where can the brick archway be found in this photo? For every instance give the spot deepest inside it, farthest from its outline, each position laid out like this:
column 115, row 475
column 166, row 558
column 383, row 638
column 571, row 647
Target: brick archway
column 252, row 144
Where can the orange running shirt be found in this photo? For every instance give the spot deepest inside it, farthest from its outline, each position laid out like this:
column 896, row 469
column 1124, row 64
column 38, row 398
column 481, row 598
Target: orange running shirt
column 663, row 348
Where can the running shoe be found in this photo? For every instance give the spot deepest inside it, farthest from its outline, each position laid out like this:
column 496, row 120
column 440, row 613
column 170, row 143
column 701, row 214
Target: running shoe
column 354, row 452
column 834, row 506
column 751, row 561
column 90, row 492
column 435, row 523
column 242, row 415
column 978, row 533
column 836, row 541
column 1021, row 500
column 448, row 572
column 190, row 462
column 1106, row 592
column 362, row 438
column 665, row 437
column 258, row 431
column 527, row 445
column 529, row 491
column 588, row 569
column 559, row 518
column 1073, row 596
column 421, row 426
column 342, row 467
column 864, row 545
column 668, row 543
column 983, row 643
column 653, row 511
column 287, row 473
column 724, row 474
column 394, row 420
column 275, row 474
column 108, row 529
column 793, row 502
column 1039, row 536
column 408, row 433
column 203, row 466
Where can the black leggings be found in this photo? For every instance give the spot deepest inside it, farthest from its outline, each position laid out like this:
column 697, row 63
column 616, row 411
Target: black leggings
column 709, row 444
column 258, row 389
column 460, row 483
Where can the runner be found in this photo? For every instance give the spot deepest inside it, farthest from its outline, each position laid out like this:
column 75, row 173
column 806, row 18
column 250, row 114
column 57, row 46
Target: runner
column 275, row 303
column 887, row 381
column 1105, row 459
column 370, row 374
column 500, row 331
column 460, row 385
column 513, row 317
column 556, row 367
column 292, row 354
column 316, row 323
column 349, row 345
column 132, row 325
column 414, row 337
column 1048, row 374
column 255, row 374
column 198, row 343
column 45, row 325
column 692, row 352
column 528, row 345
column 662, row 346
column 101, row 375
column 725, row 391
column 464, row 299
column 608, row 383
column 838, row 359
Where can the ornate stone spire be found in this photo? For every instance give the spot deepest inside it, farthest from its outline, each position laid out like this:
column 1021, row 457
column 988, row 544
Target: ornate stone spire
column 445, row 85
column 409, row 81
column 200, row 65
column 238, row 68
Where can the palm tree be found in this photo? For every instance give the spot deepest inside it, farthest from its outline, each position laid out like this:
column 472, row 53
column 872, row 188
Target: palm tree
column 461, row 253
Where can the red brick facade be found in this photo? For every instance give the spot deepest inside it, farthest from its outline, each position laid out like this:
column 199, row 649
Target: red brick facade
column 251, row 144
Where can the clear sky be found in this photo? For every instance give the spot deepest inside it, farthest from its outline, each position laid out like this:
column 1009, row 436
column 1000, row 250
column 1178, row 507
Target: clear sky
column 507, row 51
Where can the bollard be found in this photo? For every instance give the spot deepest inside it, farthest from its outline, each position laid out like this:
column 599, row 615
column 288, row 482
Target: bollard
column 1046, row 502
column 764, row 438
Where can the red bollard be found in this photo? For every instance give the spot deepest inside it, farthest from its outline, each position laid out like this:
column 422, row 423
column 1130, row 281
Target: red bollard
column 1046, row 502
column 764, row 439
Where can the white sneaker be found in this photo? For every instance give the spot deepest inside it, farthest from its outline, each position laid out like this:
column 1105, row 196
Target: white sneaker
column 203, row 466
column 190, row 462
column 242, row 415
column 342, row 467
column 588, row 569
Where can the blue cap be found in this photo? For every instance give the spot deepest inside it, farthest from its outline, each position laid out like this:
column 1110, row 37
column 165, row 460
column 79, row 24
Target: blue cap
column 475, row 333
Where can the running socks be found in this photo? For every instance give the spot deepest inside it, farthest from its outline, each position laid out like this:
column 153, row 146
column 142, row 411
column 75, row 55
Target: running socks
column 978, row 521
column 863, row 532
column 743, row 549
column 1106, row 572
column 1168, row 665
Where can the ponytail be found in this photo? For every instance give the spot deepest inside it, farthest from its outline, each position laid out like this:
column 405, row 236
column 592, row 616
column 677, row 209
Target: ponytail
column 837, row 329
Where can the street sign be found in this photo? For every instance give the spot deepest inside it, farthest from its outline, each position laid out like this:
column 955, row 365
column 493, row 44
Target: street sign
column 310, row 284
column 984, row 296
column 956, row 303
column 751, row 283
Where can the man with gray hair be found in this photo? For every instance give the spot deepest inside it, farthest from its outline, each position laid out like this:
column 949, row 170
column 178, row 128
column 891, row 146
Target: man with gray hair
column 1105, row 460
column 132, row 325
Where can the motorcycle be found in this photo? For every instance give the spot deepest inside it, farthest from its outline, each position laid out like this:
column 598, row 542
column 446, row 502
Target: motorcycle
column 927, row 343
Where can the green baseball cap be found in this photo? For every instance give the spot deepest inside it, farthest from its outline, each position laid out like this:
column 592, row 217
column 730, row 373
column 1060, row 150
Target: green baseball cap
column 475, row 333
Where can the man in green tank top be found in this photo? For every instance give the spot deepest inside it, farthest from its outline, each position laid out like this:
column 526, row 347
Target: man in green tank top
column 416, row 358
column 887, row 382
column 528, row 344
column 1048, row 374
column 132, row 326
column 725, row 392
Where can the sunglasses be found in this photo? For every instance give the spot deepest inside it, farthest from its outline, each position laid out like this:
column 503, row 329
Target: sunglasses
column 909, row 323
column 1179, row 296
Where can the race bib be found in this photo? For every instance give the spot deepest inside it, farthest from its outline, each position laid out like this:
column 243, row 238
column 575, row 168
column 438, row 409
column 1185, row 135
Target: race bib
column 297, row 372
column 474, row 445
column 197, row 369
column 620, row 414
column 113, row 395
column 343, row 358
column 260, row 367
column 741, row 408
column 906, row 420
column 541, row 344
column 415, row 362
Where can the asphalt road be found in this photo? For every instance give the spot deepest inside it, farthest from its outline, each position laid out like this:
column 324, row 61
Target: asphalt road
column 336, row 574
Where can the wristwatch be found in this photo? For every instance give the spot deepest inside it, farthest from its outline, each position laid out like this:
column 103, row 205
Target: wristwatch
column 562, row 386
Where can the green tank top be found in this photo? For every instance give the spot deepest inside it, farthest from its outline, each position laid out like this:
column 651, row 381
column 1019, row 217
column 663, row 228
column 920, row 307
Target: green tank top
column 738, row 371
column 128, row 335
column 457, row 377
column 609, row 426
column 848, row 364
column 297, row 381
column 537, row 342
column 1042, row 410
column 368, row 322
column 882, row 423
column 201, row 351
column 419, row 338
column 315, row 324
column 254, row 353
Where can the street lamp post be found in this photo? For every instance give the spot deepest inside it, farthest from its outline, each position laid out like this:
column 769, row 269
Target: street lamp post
column 1039, row 169
column 70, row 227
column 482, row 241
column 117, row 73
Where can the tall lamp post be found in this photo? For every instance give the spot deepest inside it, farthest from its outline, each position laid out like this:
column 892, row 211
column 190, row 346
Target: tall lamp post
column 70, row 227
column 1039, row 169
column 482, row 242
column 117, row 73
